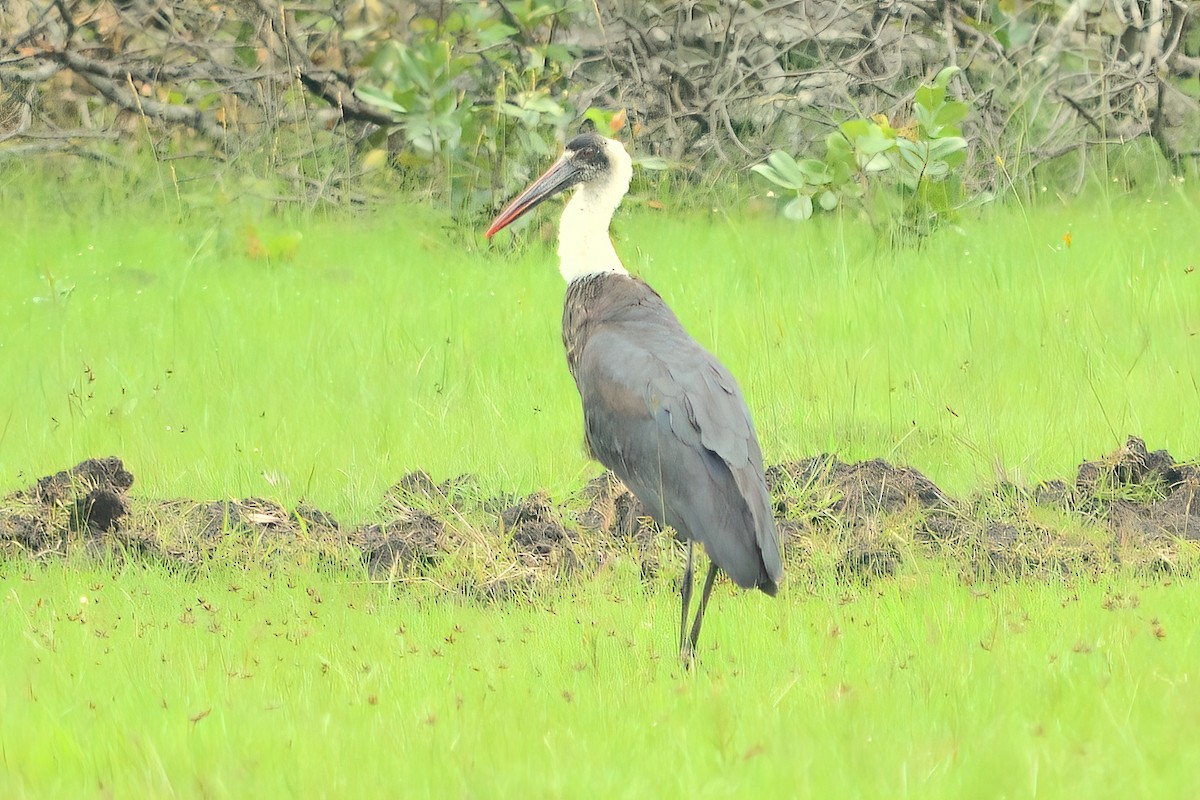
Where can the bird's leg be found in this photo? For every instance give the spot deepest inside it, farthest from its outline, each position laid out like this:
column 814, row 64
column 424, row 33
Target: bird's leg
column 685, row 593
column 708, row 584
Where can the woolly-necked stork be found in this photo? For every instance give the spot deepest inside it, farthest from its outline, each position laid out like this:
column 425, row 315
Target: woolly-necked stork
column 659, row 410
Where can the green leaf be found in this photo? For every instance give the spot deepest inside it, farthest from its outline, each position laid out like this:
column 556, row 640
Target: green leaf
column 936, row 170
column 914, row 154
column 599, row 117
column 494, row 34
column 836, row 142
column 1017, row 33
column 951, row 113
column 781, row 169
column 510, row 110
column 656, row 163
column 799, row 209
column 558, row 53
column 414, row 70
column 942, row 148
column 543, row 105
column 877, row 163
column 876, row 141
column 768, row 172
column 380, row 98
column 843, row 172
column 978, row 200
column 827, row 200
column 855, row 128
column 852, row 188
column 536, row 63
column 929, row 97
column 943, row 78
column 539, row 13
column 814, row 171
column 838, row 152
column 788, row 169
column 246, row 56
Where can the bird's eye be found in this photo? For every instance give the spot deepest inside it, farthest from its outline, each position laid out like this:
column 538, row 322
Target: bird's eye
column 590, row 154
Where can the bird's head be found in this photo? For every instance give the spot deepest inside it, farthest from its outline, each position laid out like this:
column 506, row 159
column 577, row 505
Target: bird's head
column 598, row 166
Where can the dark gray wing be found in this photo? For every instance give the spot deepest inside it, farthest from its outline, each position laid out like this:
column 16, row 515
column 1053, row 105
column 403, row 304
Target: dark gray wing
column 664, row 415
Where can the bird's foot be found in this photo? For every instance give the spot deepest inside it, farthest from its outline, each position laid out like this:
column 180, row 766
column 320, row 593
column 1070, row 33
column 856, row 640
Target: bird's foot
column 687, row 656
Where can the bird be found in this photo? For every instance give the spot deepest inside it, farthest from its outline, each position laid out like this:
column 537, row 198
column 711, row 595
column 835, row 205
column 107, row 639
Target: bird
column 659, row 409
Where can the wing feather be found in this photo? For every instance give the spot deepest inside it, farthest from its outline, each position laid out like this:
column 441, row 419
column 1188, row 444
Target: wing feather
column 670, row 421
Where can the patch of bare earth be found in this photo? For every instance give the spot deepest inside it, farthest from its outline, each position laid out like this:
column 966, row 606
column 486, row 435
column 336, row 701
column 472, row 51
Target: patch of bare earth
column 86, row 502
column 617, row 524
column 1133, row 506
column 1148, row 500
column 857, row 507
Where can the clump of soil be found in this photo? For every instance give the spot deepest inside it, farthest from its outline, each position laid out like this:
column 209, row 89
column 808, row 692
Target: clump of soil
column 414, row 536
column 862, row 519
column 536, row 530
column 1146, row 498
column 618, row 522
column 1010, row 530
column 412, row 541
column 1142, row 495
column 854, row 493
column 611, row 509
column 1175, row 516
column 855, row 505
column 252, row 513
column 869, row 558
column 1133, row 467
column 26, row 528
column 89, row 499
column 535, row 526
column 417, row 489
column 107, row 474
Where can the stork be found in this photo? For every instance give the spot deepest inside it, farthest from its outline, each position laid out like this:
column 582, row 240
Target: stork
column 659, row 410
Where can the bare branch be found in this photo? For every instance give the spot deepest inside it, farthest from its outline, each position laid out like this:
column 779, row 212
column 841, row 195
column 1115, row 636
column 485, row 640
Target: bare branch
column 131, row 101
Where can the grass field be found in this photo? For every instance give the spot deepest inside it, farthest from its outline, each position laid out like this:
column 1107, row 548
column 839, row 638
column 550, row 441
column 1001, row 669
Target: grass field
column 242, row 352
column 137, row 683
column 373, row 346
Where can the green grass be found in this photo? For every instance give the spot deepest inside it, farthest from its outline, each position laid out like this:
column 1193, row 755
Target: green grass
column 237, row 684
column 396, row 341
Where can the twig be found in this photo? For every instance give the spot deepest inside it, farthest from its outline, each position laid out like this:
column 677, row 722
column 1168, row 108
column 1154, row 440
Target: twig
column 192, row 117
column 25, row 117
column 330, row 86
column 1081, row 111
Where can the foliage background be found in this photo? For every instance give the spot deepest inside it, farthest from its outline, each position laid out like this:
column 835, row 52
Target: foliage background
column 342, row 101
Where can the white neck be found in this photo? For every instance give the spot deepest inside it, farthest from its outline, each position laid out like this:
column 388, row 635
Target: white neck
column 584, row 246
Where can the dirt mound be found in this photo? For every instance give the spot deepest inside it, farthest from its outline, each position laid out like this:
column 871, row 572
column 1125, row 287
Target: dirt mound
column 535, row 526
column 1015, row 531
column 619, row 523
column 1143, row 495
column 1134, row 467
column 417, row 489
column 858, row 505
column 96, row 473
column 1132, row 506
column 855, row 492
column 412, row 541
column 251, row 513
column 414, row 535
column 539, row 536
column 611, row 509
column 90, row 498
